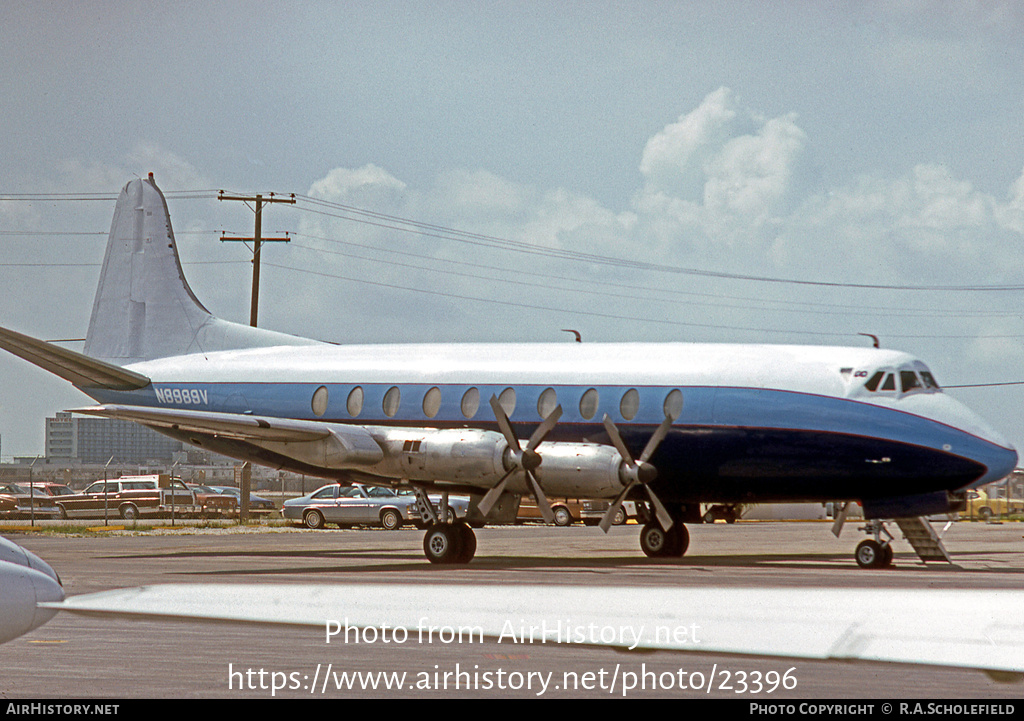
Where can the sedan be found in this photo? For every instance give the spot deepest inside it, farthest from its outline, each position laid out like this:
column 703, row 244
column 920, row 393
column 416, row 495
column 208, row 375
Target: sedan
column 357, row 505
column 257, row 504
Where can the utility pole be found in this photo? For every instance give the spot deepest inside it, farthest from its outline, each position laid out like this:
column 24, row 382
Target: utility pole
column 257, row 241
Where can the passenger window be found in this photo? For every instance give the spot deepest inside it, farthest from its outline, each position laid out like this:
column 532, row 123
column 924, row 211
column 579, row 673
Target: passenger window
column 507, row 401
column 588, row 404
column 630, row 404
column 355, row 401
column 470, row 402
column 547, row 402
column 319, row 402
column 432, row 402
column 391, row 400
column 673, row 404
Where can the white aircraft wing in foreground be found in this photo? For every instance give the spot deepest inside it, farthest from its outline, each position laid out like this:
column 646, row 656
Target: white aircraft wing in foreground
column 900, row 626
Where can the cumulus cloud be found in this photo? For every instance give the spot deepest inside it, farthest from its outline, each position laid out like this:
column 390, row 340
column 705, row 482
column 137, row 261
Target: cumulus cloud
column 722, row 177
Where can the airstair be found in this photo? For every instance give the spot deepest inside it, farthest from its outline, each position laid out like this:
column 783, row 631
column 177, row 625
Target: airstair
column 926, row 542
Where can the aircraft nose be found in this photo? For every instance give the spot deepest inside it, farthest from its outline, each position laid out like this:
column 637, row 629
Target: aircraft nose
column 25, row 581
column 21, row 589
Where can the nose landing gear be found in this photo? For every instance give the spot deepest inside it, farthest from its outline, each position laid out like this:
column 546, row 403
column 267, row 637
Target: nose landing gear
column 874, row 552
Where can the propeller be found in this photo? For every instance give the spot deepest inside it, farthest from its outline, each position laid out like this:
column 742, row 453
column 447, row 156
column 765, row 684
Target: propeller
column 524, row 459
column 637, row 472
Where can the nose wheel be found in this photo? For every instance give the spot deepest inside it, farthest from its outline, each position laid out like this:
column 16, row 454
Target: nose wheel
column 873, row 554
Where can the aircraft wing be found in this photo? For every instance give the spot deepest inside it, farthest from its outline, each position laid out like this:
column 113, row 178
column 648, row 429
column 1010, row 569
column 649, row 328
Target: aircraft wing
column 959, row 628
column 330, row 445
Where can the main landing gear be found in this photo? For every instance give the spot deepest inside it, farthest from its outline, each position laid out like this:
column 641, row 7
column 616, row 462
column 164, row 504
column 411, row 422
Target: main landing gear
column 448, row 539
column 656, row 542
column 449, row 542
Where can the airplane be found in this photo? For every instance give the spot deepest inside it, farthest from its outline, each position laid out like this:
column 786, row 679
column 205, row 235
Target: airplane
column 671, row 424
column 25, row 581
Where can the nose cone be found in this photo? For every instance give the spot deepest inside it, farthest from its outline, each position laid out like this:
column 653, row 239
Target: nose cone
column 25, row 581
column 972, row 436
column 21, row 588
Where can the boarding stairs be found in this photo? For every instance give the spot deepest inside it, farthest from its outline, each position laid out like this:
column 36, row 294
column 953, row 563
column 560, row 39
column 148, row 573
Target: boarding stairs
column 920, row 534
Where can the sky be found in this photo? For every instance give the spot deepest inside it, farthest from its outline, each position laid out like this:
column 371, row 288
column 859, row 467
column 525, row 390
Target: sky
column 499, row 171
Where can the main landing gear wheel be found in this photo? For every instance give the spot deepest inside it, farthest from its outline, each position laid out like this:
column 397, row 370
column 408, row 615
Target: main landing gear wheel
column 872, row 554
column 658, row 543
column 449, row 543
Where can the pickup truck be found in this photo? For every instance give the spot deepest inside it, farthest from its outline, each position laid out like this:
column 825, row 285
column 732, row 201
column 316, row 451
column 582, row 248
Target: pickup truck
column 134, row 497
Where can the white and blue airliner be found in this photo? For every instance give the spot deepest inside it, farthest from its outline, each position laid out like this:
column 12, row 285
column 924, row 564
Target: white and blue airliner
column 672, row 425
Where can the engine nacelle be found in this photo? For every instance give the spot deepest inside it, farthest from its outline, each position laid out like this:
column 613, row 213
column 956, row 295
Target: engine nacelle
column 457, row 455
column 482, row 458
column 580, row 470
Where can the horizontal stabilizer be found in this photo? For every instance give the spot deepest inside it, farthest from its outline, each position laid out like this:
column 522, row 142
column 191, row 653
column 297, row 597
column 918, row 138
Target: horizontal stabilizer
column 83, row 371
column 902, row 626
column 329, row 445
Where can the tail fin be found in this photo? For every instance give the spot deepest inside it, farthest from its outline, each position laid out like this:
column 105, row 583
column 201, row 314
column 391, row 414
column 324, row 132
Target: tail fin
column 144, row 307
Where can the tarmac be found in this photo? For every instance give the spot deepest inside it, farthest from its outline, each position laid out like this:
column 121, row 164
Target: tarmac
column 77, row 658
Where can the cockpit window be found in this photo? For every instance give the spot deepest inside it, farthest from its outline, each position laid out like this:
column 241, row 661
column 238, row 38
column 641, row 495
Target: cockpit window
column 873, row 381
column 902, row 380
column 909, row 380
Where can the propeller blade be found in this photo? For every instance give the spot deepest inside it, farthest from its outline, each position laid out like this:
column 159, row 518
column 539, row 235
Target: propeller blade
column 492, row 495
column 504, row 425
column 620, row 446
column 544, row 428
column 606, row 520
column 542, row 500
column 664, row 519
column 656, row 439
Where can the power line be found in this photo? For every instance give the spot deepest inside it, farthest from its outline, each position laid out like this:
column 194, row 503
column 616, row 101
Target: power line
column 635, row 291
column 407, row 225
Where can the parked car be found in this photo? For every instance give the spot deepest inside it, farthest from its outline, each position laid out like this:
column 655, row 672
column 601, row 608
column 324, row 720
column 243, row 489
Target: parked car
column 132, row 497
column 594, row 510
column 27, row 501
column 989, row 501
column 567, row 510
column 359, row 505
column 257, row 504
column 8, row 507
column 52, row 489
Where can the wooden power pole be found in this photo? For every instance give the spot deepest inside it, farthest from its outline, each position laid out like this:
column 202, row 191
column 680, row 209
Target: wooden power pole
column 257, row 241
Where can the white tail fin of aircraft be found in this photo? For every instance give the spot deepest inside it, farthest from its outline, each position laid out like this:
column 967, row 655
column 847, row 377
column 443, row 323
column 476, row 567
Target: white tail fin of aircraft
column 144, row 307
column 672, row 425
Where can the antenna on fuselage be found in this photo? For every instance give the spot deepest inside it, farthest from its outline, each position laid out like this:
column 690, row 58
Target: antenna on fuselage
column 579, row 338
column 873, row 338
